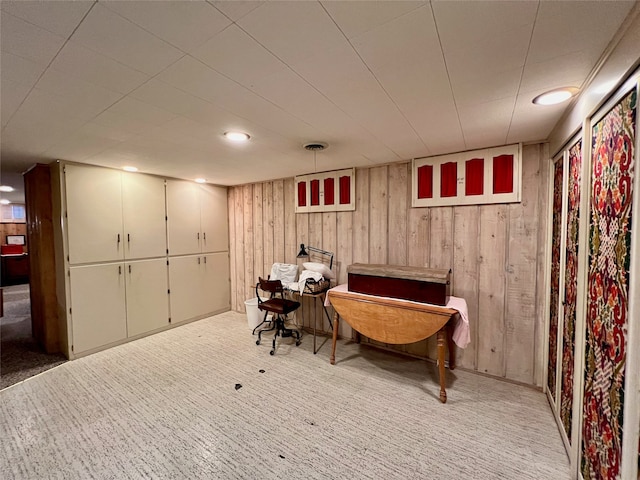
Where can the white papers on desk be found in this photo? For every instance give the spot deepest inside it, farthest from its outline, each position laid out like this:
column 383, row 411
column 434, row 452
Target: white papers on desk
column 304, row 276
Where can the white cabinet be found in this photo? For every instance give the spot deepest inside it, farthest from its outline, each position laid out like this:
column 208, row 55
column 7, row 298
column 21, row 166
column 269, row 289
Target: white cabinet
column 94, row 214
column 183, row 217
column 215, row 284
column 197, row 218
column 120, row 281
column 143, row 213
column 147, row 292
column 97, row 306
column 199, row 285
column 113, row 215
column 213, row 219
column 184, row 283
column 113, row 301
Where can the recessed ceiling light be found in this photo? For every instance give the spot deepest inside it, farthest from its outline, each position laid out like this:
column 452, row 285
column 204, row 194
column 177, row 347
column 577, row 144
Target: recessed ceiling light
column 554, row 97
column 4, row 201
column 201, row 180
column 237, row 136
column 6, row 188
column 130, row 169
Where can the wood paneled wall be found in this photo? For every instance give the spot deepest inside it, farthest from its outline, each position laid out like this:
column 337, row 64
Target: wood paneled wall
column 496, row 253
column 12, row 229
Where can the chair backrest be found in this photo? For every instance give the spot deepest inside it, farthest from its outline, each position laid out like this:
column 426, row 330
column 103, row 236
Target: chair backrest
column 271, row 286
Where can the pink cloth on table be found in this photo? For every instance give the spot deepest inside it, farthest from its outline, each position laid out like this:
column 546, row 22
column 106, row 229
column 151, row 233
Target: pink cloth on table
column 461, row 331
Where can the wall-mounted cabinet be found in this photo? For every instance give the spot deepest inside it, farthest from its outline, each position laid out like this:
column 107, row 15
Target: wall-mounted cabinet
column 98, row 311
column 113, row 215
column 147, row 287
column 114, row 301
column 199, row 284
column 196, row 218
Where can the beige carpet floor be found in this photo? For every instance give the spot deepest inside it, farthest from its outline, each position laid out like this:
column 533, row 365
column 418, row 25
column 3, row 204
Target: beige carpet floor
column 20, row 355
column 203, row 401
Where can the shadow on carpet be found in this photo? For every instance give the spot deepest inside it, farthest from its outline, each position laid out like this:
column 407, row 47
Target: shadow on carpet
column 20, row 355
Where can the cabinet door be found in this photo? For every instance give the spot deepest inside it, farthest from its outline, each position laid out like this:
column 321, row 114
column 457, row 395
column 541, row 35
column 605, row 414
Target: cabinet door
column 183, row 212
column 214, row 219
column 185, row 284
column 143, row 208
column 98, row 314
column 94, row 214
column 216, row 286
column 147, row 295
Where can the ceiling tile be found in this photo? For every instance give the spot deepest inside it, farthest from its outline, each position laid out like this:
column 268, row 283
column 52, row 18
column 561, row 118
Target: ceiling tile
column 486, row 86
column 196, row 78
column 108, row 33
column 590, row 28
column 416, row 82
column 466, row 23
column 565, row 71
column 356, row 18
column 97, row 69
column 533, row 122
column 19, row 70
column 133, row 115
column 167, row 97
column 236, row 10
column 28, row 41
column 59, row 17
column 45, row 109
column 85, row 98
column 79, row 145
column 13, row 94
column 293, row 31
column 166, row 20
column 481, row 36
column 236, row 55
column 487, row 124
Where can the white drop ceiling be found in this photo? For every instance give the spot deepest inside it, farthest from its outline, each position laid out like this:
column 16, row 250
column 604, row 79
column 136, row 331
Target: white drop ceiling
column 156, row 84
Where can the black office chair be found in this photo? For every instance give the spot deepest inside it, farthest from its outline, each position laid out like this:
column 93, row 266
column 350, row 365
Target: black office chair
column 280, row 307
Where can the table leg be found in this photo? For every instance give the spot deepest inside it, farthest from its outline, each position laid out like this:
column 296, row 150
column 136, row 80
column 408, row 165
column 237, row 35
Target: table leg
column 451, row 345
column 315, row 320
column 336, row 320
column 441, row 339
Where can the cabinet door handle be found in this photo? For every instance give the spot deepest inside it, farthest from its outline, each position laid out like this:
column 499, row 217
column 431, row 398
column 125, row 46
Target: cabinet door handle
column 198, row 260
column 198, row 235
column 129, row 268
column 128, row 238
column 119, row 270
column 204, row 236
column 118, row 238
column 205, row 259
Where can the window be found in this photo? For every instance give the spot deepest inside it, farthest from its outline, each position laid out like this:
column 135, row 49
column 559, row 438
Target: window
column 13, row 213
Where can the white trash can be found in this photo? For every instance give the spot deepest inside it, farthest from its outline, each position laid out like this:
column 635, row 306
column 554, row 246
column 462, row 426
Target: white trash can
column 254, row 315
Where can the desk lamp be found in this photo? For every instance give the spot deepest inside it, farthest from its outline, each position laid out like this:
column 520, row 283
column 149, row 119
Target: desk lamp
column 303, row 253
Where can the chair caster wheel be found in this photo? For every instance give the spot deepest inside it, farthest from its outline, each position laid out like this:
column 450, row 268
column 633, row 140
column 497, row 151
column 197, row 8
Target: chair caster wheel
column 257, row 342
column 272, row 352
column 298, row 343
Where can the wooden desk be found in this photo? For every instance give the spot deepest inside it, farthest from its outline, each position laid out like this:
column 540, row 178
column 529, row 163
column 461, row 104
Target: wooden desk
column 394, row 321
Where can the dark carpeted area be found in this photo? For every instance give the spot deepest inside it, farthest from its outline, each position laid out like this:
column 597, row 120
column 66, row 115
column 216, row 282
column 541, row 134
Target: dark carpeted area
column 20, row 356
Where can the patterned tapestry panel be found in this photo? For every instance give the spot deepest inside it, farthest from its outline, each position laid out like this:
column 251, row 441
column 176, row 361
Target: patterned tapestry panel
column 555, row 276
column 612, row 172
column 570, row 285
